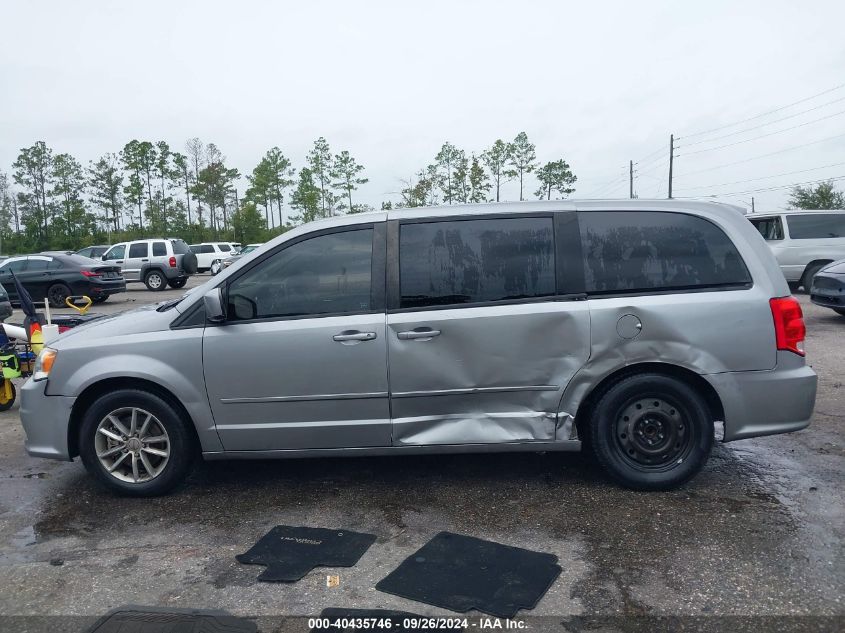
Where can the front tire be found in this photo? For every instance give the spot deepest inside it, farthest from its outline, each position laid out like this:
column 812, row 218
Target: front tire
column 57, row 294
column 651, row 432
column 155, row 280
column 135, row 443
column 809, row 273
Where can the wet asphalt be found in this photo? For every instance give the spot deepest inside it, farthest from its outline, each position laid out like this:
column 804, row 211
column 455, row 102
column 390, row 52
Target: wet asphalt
column 758, row 533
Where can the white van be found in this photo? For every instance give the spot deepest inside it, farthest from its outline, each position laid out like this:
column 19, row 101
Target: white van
column 803, row 242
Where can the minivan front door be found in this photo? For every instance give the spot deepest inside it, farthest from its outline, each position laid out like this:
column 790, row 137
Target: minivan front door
column 485, row 330
column 301, row 361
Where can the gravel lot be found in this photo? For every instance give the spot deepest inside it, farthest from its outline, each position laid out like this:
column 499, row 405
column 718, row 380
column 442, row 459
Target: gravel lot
column 758, row 533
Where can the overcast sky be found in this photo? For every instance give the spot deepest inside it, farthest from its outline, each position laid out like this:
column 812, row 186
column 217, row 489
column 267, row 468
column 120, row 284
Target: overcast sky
column 596, row 83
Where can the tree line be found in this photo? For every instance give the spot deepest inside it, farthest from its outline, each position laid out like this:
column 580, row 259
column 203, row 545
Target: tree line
column 51, row 201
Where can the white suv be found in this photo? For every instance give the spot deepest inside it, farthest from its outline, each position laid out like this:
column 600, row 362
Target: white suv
column 211, row 254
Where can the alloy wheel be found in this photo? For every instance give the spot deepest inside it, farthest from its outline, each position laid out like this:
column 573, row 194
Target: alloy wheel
column 132, row 445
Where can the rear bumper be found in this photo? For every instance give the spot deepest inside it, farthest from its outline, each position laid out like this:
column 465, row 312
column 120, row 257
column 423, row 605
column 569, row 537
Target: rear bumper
column 758, row 403
column 45, row 421
column 98, row 290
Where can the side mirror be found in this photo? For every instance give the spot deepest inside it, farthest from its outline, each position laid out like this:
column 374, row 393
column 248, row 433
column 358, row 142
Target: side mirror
column 213, row 301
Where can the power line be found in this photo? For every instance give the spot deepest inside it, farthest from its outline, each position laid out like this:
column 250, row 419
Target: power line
column 774, row 188
column 747, row 160
column 748, row 140
column 757, row 127
column 758, row 116
column 787, row 173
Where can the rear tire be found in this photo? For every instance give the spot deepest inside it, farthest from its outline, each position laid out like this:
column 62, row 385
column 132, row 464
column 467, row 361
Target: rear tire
column 809, row 273
column 100, row 299
column 651, row 432
column 155, row 280
column 158, row 452
column 177, row 283
column 57, row 294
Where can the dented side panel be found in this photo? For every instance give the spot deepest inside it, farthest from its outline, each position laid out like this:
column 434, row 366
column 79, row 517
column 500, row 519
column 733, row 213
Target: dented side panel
column 493, row 374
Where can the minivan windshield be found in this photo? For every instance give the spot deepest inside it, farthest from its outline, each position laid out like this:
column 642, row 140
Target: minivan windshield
column 814, row 226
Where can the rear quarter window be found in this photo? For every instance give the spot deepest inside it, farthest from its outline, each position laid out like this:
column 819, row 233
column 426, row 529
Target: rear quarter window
column 159, row 249
column 628, row 251
column 816, row 226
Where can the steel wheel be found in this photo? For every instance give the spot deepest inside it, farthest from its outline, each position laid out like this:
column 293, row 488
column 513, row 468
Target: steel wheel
column 132, row 445
column 651, row 433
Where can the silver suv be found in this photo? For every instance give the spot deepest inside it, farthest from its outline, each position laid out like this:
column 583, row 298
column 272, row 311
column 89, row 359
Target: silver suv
column 631, row 327
column 159, row 262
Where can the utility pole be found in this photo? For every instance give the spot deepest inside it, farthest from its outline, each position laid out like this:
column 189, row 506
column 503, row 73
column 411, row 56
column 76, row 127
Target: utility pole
column 671, row 159
column 631, row 179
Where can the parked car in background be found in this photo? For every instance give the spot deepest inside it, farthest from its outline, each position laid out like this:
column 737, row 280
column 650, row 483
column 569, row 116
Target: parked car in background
column 803, row 242
column 506, row 327
column 158, row 262
column 246, row 250
column 828, row 288
column 94, row 252
column 56, row 276
column 211, row 254
column 5, row 304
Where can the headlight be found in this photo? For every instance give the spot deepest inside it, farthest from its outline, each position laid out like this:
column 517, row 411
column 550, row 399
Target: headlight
column 44, row 363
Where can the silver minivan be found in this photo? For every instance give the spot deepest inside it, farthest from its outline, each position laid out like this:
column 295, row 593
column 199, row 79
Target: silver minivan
column 631, row 327
column 803, row 242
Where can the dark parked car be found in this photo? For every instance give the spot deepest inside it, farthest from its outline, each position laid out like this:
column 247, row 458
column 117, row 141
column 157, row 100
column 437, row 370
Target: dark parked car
column 828, row 289
column 58, row 276
column 94, row 252
column 5, row 305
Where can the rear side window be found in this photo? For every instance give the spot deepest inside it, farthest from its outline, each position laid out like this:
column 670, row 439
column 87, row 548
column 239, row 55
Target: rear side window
column 139, row 249
column 180, row 247
column 159, row 249
column 770, row 228
column 475, row 261
column 815, row 226
column 55, row 264
column 224, row 247
column 36, row 265
column 206, row 248
column 627, row 251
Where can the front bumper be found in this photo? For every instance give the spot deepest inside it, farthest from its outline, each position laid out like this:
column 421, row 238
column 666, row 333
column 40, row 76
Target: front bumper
column 45, row 421
column 758, row 403
column 828, row 290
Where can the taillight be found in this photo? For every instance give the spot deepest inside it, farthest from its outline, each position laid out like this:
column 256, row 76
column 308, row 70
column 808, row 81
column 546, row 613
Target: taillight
column 91, row 273
column 789, row 324
column 173, row 262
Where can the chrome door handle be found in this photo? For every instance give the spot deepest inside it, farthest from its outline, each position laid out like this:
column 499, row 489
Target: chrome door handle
column 354, row 336
column 418, row 334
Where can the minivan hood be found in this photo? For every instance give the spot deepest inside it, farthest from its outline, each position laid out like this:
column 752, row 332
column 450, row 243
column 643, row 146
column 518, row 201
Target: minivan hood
column 136, row 321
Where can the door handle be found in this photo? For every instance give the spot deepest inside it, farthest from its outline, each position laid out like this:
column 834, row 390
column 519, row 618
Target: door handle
column 145, row 260
column 426, row 334
column 354, row 336
column 119, row 261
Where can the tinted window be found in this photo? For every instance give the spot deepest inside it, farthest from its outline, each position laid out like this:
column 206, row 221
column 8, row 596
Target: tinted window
column 206, row 248
column 625, row 251
column 195, row 248
column 224, row 247
column 180, row 247
column 35, row 265
column 770, row 228
column 139, row 249
column 85, row 252
column 473, row 261
column 16, row 266
column 816, row 226
column 159, row 249
column 116, row 252
column 55, row 264
column 325, row 274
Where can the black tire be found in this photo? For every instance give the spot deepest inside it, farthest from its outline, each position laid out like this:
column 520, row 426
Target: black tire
column 809, row 273
column 177, row 283
column 189, row 263
column 793, row 286
column 644, row 446
column 840, row 311
column 181, row 444
column 155, row 280
column 5, row 406
column 57, row 294
column 100, row 299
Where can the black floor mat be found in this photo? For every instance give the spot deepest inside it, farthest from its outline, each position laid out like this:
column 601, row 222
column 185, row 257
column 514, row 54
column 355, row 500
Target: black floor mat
column 137, row 619
column 354, row 620
column 461, row 573
column 291, row 552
